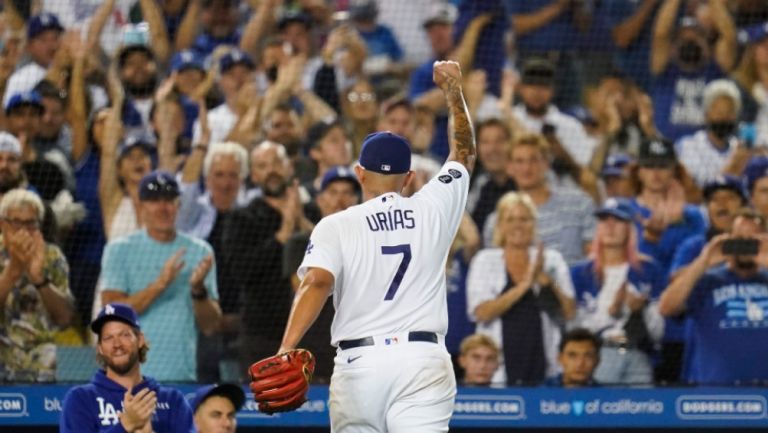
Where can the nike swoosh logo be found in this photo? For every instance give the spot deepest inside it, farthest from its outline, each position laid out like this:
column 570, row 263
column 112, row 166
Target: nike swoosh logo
column 352, row 359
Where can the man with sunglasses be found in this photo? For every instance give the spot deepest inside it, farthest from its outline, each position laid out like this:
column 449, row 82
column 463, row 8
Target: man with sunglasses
column 169, row 278
column 34, row 291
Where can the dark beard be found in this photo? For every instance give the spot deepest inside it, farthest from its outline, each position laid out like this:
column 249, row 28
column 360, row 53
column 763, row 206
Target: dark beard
column 274, row 185
column 536, row 112
column 125, row 368
column 143, row 90
column 7, row 182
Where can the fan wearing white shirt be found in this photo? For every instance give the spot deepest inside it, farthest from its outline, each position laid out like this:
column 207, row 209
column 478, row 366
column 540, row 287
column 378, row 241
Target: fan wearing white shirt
column 714, row 149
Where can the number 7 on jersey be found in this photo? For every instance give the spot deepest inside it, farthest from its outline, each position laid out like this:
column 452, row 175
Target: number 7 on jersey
column 405, row 250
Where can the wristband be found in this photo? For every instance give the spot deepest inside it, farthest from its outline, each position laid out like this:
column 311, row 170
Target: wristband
column 199, row 295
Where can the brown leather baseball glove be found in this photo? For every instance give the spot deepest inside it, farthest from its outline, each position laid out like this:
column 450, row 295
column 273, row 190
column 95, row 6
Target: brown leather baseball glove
column 280, row 383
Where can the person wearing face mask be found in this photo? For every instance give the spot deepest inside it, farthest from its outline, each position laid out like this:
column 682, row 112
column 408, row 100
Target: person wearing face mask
column 683, row 62
column 715, row 149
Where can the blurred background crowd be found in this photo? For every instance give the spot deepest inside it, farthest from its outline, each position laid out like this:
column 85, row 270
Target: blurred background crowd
column 176, row 154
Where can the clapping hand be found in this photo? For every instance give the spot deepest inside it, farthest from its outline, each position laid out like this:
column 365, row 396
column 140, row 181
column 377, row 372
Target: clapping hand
column 201, row 271
column 138, row 409
column 171, row 268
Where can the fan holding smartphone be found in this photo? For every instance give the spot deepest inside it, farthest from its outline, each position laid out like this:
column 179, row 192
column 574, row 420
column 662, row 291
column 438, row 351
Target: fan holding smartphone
column 724, row 293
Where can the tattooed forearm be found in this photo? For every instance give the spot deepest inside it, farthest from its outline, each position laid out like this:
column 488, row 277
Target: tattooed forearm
column 461, row 134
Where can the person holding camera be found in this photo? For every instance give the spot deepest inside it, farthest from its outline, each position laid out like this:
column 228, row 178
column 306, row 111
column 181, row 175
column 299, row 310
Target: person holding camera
column 725, row 293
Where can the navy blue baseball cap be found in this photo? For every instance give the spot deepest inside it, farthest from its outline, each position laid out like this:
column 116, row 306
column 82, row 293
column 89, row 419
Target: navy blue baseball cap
column 725, row 182
column 234, row 58
column 616, row 207
column 614, row 165
column 133, row 141
column 756, row 168
column 385, row 153
column 187, row 59
column 338, row 173
column 30, row 98
column 40, row 23
column 291, row 17
column 229, row 391
column 115, row 311
column 158, row 185
column 753, row 34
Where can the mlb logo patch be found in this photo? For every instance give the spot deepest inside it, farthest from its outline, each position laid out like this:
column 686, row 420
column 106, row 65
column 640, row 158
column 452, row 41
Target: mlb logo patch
column 385, row 167
column 390, row 341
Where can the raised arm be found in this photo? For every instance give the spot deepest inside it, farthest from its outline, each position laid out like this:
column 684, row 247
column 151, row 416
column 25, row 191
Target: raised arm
column 109, row 187
column 260, row 22
column 526, row 23
column 725, row 48
column 464, row 53
column 461, row 134
column 661, row 44
column 157, row 31
column 189, row 26
column 77, row 112
column 97, row 23
column 628, row 30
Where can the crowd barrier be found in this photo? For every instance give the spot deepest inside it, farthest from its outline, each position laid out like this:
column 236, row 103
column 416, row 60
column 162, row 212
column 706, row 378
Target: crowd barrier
column 38, row 405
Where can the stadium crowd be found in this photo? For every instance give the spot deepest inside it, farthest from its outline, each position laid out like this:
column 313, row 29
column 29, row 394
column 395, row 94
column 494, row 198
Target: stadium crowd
column 175, row 155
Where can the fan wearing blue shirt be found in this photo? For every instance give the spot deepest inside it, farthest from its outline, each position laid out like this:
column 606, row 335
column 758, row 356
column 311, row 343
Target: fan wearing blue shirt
column 683, row 62
column 119, row 399
column 726, row 305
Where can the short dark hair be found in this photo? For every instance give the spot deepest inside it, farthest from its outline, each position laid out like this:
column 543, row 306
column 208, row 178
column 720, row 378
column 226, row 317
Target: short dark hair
column 493, row 122
column 394, row 103
column 580, row 334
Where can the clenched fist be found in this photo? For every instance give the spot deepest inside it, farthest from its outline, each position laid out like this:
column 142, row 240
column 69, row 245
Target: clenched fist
column 446, row 74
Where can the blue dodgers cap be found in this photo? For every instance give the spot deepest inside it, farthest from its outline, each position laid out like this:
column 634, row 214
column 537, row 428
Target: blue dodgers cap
column 187, row 59
column 724, row 182
column 385, row 153
column 40, row 23
column 617, row 207
column 115, row 311
column 614, row 165
column 158, row 185
column 753, row 34
column 234, row 58
column 31, row 98
column 337, row 173
column 230, row 391
column 756, row 168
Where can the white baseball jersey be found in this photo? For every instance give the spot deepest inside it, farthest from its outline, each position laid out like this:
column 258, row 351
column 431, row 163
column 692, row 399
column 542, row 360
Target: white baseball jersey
column 388, row 256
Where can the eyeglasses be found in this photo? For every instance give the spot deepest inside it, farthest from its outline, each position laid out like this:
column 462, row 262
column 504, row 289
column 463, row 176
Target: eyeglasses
column 361, row 97
column 25, row 224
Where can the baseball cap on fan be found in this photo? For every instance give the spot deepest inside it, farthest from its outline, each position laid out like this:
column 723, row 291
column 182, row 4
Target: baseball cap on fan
column 229, row 391
column 656, row 152
column 441, row 13
column 115, row 312
column 385, row 153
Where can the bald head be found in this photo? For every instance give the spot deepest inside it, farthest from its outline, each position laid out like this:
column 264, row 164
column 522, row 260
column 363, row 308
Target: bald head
column 269, row 158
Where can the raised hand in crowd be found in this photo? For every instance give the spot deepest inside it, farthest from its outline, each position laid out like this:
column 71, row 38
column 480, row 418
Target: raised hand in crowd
column 197, row 279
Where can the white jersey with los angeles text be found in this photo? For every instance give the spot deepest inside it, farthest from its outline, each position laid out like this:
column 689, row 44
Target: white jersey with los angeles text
column 388, row 256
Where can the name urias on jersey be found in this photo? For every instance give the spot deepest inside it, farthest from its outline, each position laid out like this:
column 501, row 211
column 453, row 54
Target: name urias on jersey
column 391, row 220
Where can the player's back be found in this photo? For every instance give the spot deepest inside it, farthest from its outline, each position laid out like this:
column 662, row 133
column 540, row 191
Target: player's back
column 389, row 265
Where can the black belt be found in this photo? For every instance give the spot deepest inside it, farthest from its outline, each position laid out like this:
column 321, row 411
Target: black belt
column 425, row 336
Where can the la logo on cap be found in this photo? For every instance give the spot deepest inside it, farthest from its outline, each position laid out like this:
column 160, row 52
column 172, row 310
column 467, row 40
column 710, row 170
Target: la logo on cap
column 658, row 148
column 109, row 309
column 611, row 203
